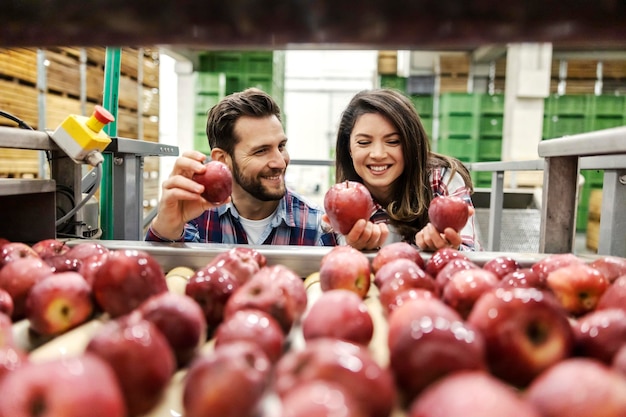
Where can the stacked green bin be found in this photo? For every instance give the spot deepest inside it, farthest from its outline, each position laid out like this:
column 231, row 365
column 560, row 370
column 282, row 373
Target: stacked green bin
column 458, row 125
column 564, row 115
column 423, row 104
column 210, row 88
column 394, row 82
column 491, row 120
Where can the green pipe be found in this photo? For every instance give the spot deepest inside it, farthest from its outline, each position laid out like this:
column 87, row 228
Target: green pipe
column 109, row 102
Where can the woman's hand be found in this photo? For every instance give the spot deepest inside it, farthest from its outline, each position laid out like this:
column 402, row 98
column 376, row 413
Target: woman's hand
column 430, row 239
column 367, row 235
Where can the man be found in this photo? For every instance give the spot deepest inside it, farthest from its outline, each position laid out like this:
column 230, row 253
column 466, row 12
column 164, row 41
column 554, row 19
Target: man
column 245, row 132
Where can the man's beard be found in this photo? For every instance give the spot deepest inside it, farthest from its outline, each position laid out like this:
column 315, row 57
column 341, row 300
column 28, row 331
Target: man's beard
column 255, row 188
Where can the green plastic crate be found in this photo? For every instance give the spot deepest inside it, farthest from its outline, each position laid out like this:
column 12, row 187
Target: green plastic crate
column 594, row 178
column 481, row 179
column 259, row 63
column 465, row 150
column 201, row 143
column 556, row 126
column 566, row 105
column 199, row 122
column 607, row 106
column 582, row 218
column 489, row 149
column 262, row 82
column 492, row 104
column 393, row 81
column 491, row 125
column 204, row 102
column 606, row 122
column 427, row 122
column 423, row 104
column 458, row 126
column 211, row 82
column 459, row 103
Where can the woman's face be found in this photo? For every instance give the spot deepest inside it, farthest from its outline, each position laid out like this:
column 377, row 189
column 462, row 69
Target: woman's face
column 377, row 154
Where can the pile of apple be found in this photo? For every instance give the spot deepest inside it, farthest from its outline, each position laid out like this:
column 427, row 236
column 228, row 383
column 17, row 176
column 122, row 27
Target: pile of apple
column 389, row 335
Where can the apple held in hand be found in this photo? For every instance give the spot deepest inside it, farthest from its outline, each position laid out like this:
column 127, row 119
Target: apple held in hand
column 59, row 303
column 448, row 211
column 347, row 202
column 64, row 387
column 217, row 181
column 126, row 279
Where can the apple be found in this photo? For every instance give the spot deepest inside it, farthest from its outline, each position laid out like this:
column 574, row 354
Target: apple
column 525, row 330
column 523, row 277
column 415, row 309
column 49, row 248
column 347, row 202
column 63, row 387
column 611, row 267
column 619, row 360
column 320, row 398
column 217, row 181
column 347, row 268
column 90, row 265
column 396, row 250
column 502, row 265
column 6, row 330
column 254, row 326
column 227, row 382
column 18, row 277
column 448, row 211
column 3, row 241
column 440, row 258
column 466, row 286
column 578, row 387
column 452, row 267
column 11, row 358
column 614, row 296
column 58, row 303
column 401, row 275
column 339, row 314
column 180, row 319
column 126, row 279
column 83, row 250
column 552, row 262
column 274, row 289
column 211, row 287
column 141, row 359
column 350, row 365
column 471, row 394
column 424, row 347
column 578, row 287
column 16, row 250
column 599, row 334
column 6, row 302
column 61, row 263
column 241, row 261
column 406, row 296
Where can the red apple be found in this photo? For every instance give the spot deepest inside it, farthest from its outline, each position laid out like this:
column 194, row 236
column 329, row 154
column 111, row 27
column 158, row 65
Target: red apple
column 611, row 267
column 58, row 303
column 254, row 326
column 217, row 181
column 83, row 250
column 18, row 277
column 397, row 250
column 320, row 398
column 452, row 267
column 578, row 287
column 64, row 387
column 400, row 266
column 401, row 275
column 11, row 358
column 526, row 331
column 346, row 268
column 619, row 360
column 466, row 286
column 424, row 347
column 471, row 394
column 90, row 265
column 553, row 262
column 274, row 289
column 502, row 265
column 350, row 365
column 440, row 258
column 211, row 287
column 407, row 296
column 140, row 357
column 3, row 242
column 6, row 302
column 241, row 261
column 16, row 250
column 6, row 330
column 228, row 382
column 61, row 263
column 180, row 319
column 347, row 202
column 49, row 248
column 448, row 211
column 614, row 296
column 578, row 387
column 126, row 279
column 523, row 277
column 339, row 314
column 599, row 334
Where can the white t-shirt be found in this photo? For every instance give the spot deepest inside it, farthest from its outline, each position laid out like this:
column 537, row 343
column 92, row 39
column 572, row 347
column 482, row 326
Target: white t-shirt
column 255, row 228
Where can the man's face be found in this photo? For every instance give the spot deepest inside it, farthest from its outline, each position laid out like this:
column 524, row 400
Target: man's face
column 260, row 157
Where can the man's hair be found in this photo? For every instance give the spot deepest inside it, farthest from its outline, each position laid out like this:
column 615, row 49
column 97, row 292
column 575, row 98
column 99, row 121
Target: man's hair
column 220, row 127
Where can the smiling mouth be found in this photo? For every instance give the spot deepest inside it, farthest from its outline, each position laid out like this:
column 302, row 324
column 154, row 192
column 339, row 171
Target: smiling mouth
column 378, row 168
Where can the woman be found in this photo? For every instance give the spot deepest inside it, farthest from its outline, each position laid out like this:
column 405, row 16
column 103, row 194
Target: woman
column 381, row 143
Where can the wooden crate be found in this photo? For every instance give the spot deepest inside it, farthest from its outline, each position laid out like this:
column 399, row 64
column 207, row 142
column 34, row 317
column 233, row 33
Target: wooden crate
column 593, row 222
column 453, row 84
column 457, row 64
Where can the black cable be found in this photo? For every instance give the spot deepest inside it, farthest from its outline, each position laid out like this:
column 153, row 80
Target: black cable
column 22, row 124
column 91, row 193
